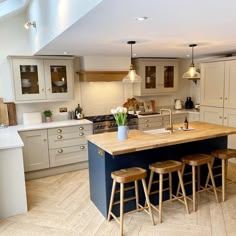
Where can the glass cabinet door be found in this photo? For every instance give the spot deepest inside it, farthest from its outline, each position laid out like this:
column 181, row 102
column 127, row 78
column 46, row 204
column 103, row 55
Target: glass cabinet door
column 168, row 76
column 29, row 79
column 150, row 77
column 59, row 79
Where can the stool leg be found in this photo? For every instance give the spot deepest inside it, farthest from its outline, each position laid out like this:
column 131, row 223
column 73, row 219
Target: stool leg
column 208, row 176
column 170, row 184
column 223, row 179
column 183, row 190
column 136, row 193
column 121, row 207
column 182, row 174
column 212, row 180
column 150, row 181
column 148, row 200
column 194, row 187
column 111, row 199
column 160, row 196
column 198, row 177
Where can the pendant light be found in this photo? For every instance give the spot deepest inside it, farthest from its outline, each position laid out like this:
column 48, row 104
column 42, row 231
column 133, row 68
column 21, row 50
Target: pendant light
column 192, row 73
column 132, row 77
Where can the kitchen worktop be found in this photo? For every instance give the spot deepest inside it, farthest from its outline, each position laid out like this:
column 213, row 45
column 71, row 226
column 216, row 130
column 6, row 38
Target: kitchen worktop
column 139, row 140
column 9, row 137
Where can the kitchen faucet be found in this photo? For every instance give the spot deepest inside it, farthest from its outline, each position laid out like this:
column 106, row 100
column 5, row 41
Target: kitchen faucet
column 170, row 127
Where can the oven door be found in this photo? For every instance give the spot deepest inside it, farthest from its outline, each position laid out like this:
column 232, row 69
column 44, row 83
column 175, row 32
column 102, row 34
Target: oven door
column 100, row 131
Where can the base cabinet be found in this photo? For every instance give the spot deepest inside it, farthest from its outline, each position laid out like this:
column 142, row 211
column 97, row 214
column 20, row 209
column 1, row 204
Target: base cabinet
column 35, row 150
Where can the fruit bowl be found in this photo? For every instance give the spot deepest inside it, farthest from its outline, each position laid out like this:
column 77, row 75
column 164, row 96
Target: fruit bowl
column 59, row 83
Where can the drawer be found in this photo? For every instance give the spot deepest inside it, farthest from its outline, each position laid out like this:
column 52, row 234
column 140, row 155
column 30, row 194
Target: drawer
column 145, row 120
column 68, row 155
column 71, row 129
column 67, row 139
column 153, row 125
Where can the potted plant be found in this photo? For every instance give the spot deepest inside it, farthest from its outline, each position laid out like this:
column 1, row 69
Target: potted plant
column 48, row 115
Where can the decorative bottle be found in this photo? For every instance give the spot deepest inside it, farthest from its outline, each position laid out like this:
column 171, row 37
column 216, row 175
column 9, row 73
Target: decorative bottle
column 185, row 123
column 78, row 112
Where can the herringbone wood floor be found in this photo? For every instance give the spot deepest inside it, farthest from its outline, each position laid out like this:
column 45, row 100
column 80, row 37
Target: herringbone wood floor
column 60, row 205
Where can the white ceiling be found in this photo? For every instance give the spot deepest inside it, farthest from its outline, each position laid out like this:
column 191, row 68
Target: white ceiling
column 171, row 26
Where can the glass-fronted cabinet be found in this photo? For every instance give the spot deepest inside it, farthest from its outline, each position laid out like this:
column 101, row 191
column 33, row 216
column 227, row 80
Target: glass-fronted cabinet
column 159, row 76
column 39, row 79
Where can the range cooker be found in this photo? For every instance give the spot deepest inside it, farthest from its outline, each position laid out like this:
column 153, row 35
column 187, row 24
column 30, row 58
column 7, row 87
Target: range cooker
column 107, row 123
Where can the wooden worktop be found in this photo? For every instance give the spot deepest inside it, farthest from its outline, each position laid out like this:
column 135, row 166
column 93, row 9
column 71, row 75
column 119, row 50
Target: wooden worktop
column 139, row 140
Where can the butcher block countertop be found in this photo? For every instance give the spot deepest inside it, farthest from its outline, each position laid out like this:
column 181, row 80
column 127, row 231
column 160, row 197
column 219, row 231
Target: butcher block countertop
column 139, row 140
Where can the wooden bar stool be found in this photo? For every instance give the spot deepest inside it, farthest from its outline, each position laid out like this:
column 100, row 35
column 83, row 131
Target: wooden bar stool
column 196, row 160
column 124, row 176
column 161, row 168
column 224, row 155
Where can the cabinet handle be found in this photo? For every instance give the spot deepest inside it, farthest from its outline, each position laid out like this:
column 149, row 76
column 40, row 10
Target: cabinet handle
column 81, row 134
column 146, row 125
column 225, row 118
column 221, row 98
column 81, row 128
column 82, row 147
column 60, row 151
column 146, row 120
column 220, row 117
column 59, row 136
column 49, row 89
column 44, row 139
column 59, row 131
column 226, row 98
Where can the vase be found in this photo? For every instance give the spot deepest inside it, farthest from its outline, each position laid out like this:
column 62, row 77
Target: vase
column 122, row 133
column 48, row 119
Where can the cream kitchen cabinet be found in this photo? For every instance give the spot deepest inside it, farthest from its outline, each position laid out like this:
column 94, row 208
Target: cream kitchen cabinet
column 158, row 76
column 35, row 150
column 153, row 122
column 68, row 145
column 218, row 84
column 41, row 79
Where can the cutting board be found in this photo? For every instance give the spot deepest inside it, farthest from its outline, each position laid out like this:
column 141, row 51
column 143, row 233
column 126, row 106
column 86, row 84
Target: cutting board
column 11, row 107
column 3, row 114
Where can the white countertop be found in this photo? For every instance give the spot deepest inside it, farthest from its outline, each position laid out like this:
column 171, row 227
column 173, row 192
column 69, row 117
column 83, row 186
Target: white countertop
column 9, row 137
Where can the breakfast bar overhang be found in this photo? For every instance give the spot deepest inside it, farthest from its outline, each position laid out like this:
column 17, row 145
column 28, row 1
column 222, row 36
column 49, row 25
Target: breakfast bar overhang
column 107, row 154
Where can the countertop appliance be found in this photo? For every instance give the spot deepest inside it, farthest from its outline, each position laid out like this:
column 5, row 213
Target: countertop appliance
column 189, row 103
column 178, row 104
column 107, row 123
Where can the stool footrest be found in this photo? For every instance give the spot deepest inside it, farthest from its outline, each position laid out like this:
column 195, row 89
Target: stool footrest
column 125, row 200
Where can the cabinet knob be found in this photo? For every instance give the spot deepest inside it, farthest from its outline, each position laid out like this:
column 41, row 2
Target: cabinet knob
column 225, row 118
column 60, row 151
column 81, row 128
column 81, row 134
column 59, row 131
column 44, row 139
column 146, row 120
column 146, row 125
column 221, row 98
column 49, row 89
column 226, row 98
column 82, row 147
column 42, row 89
column 59, row 136
column 220, row 117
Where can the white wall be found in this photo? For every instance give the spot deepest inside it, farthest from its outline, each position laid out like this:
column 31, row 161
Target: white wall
column 53, row 17
column 14, row 41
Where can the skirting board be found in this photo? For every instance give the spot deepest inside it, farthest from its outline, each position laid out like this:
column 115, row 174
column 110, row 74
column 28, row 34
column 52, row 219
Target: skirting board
column 55, row 171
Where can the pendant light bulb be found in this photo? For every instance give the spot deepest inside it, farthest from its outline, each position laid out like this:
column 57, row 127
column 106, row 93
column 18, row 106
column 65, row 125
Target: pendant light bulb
column 132, row 77
column 192, row 73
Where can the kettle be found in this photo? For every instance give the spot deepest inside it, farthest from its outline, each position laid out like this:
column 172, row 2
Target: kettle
column 189, row 103
column 178, row 104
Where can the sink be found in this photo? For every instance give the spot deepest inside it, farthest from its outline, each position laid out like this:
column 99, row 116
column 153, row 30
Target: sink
column 157, row 131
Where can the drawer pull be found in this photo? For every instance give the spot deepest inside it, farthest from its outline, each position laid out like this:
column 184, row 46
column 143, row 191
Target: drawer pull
column 59, row 131
column 81, row 134
column 81, row 128
column 82, row 147
column 146, row 120
column 146, row 125
column 60, row 151
column 59, row 136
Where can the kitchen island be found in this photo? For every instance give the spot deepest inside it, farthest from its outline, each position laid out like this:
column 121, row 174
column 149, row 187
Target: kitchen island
column 107, row 154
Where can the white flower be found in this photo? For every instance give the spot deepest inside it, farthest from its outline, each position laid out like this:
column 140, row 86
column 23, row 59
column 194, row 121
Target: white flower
column 120, row 114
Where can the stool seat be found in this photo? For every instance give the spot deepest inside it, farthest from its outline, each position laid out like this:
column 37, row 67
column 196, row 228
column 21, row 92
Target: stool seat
column 165, row 167
column 224, row 153
column 196, row 159
column 129, row 175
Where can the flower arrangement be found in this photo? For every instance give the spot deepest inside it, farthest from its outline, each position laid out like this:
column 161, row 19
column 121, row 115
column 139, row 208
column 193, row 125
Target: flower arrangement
column 120, row 114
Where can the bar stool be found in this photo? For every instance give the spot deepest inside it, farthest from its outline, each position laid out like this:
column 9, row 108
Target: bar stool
column 196, row 160
column 161, row 168
column 124, row 176
column 224, row 155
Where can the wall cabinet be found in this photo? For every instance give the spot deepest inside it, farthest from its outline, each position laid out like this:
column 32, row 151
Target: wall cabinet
column 35, row 150
column 218, row 84
column 158, row 76
column 68, row 145
column 38, row 79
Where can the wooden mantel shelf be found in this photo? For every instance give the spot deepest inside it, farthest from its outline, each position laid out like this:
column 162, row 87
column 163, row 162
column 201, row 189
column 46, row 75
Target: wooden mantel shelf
column 89, row 76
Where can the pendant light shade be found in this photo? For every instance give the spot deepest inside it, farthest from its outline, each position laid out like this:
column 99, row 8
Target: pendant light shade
column 192, row 73
column 132, row 77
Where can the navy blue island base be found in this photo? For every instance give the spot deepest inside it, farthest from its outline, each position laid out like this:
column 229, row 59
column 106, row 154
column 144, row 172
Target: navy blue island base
column 101, row 164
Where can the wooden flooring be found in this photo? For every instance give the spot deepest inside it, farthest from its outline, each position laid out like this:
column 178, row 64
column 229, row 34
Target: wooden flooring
column 60, row 205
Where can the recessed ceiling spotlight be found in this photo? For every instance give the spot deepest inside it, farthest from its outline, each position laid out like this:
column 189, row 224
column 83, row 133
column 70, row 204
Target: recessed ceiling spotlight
column 141, row 18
